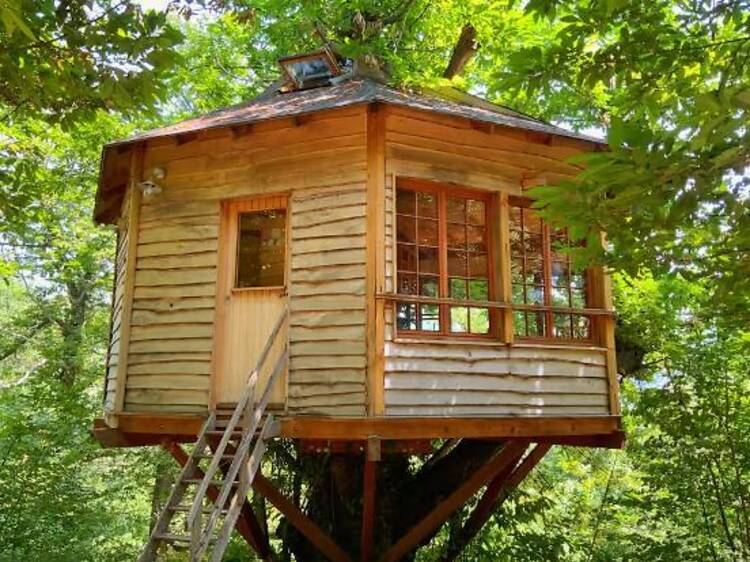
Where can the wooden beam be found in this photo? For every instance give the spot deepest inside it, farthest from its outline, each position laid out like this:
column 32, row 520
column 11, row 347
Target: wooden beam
column 500, row 487
column 455, row 500
column 301, row 522
column 368, row 509
column 179, row 454
column 133, row 220
column 359, row 429
column 375, row 242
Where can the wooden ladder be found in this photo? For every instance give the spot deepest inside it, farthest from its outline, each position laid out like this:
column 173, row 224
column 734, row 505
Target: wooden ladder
column 207, row 529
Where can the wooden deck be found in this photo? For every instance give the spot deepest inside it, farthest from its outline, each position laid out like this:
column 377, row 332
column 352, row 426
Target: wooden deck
column 591, row 431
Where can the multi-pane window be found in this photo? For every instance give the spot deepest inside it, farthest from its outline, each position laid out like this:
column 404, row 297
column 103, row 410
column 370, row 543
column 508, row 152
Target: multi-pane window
column 543, row 278
column 261, row 248
column 442, row 248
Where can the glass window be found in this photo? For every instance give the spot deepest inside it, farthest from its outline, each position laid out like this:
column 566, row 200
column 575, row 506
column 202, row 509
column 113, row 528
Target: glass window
column 442, row 249
column 542, row 274
column 261, row 248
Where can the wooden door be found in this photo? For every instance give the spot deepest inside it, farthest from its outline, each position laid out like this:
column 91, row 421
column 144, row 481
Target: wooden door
column 251, row 294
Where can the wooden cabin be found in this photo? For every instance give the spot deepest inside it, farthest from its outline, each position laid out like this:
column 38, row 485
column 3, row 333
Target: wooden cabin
column 383, row 238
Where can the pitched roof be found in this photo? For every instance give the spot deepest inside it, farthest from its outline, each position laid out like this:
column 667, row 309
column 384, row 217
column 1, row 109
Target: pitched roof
column 356, row 91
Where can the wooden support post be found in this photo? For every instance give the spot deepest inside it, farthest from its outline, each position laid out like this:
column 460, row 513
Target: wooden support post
column 503, row 283
column 494, row 496
column 301, row 522
column 368, row 498
column 375, row 258
column 449, row 505
column 244, row 524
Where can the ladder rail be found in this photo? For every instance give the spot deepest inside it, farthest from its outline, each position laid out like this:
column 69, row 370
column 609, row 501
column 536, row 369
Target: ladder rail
column 243, row 449
column 246, row 398
column 251, row 465
column 149, row 553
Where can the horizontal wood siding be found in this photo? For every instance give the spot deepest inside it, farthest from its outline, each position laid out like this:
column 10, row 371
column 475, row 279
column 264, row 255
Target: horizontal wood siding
column 446, row 379
column 120, row 267
column 327, row 296
column 460, row 378
column 321, row 163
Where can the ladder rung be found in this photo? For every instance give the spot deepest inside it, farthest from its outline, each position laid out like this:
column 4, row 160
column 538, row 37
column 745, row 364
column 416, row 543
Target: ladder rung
column 169, row 537
column 214, row 482
column 210, row 456
column 187, row 508
column 222, row 432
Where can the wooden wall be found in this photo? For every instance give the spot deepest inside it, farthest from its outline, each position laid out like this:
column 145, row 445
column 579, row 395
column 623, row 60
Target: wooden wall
column 320, row 162
column 118, row 295
column 424, row 377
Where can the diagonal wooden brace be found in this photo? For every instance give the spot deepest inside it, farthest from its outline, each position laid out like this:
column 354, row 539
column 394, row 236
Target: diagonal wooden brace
column 440, row 514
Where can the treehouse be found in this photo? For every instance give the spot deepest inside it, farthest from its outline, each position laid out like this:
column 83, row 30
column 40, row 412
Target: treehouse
column 355, row 267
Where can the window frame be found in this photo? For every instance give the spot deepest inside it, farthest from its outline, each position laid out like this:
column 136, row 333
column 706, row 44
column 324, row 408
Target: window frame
column 547, row 308
column 442, row 192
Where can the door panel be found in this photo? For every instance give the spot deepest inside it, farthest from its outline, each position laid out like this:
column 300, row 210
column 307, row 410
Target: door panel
column 251, row 295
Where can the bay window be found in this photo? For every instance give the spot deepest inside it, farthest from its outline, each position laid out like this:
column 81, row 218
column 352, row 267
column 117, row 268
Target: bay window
column 443, row 255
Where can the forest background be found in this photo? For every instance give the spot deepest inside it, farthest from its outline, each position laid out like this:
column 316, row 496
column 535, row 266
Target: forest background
column 667, row 82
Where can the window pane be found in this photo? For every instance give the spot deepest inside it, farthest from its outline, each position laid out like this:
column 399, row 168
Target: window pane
column 531, row 223
column 561, row 325
column 405, row 202
column 427, row 205
column 457, row 288
column 407, row 284
column 581, row 327
column 475, row 213
column 407, row 257
column 427, row 231
column 478, row 265
column 535, row 294
column 516, row 270
column 429, row 317
column 475, row 239
column 406, row 229
column 560, row 297
column 406, row 316
column 479, row 320
column 456, row 236
column 428, row 286
column 479, row 290
column 560, row 274
column 578, row 298
column 535, row 324
column 428, row 260
column 261, row 248
column 456, row 209
column 457, row 263
column 516, row 242
column 459, row 319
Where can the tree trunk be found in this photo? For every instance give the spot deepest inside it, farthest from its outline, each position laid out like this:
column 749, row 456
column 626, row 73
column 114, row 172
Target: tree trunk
column 332, row 495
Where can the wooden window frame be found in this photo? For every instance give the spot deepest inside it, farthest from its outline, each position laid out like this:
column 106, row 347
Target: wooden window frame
column 547, row 308
column 232, row 209
column 443, row 191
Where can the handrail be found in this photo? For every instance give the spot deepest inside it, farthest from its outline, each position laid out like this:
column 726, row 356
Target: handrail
column 420, row 299
column 197, row 507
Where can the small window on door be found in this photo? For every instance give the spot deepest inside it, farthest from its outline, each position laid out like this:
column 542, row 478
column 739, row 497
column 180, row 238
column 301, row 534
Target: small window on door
column 261, row 248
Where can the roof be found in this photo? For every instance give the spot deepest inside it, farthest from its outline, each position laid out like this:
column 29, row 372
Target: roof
column 274, row 104
column 355, row 91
